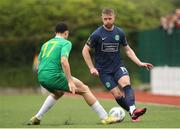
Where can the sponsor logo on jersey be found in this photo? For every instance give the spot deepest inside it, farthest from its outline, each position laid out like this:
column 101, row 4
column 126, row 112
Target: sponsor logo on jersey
column 110, row 47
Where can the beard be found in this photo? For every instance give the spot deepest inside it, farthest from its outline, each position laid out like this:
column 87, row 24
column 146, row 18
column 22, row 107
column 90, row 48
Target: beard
column 108, row 26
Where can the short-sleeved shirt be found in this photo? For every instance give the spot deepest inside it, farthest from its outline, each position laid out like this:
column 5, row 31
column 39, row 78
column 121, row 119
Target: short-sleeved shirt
column 107, row 48
column 50, row 72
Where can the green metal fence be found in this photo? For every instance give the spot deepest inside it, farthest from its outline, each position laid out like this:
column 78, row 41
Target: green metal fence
column 159, row 48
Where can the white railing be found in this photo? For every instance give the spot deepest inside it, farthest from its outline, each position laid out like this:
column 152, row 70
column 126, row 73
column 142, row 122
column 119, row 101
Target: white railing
column 165, row 80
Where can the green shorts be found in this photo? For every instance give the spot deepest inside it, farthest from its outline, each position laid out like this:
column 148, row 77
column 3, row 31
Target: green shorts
column 53, row 81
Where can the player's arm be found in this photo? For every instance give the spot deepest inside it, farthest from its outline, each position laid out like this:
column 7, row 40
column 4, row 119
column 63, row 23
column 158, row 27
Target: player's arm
column 37, row 65
column 66, row 67
column 130, row 53
column 67, row 71
column 87, row 56
column 36, row 62
column 91, row 42
column 88, row 60
column 39, row 58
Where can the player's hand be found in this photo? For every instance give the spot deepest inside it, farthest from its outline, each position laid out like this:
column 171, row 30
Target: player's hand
column 72, row 87
column 148, row 66
column 94, row 72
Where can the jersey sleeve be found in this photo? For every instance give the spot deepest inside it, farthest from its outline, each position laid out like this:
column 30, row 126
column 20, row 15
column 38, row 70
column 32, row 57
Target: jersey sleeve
column 92, row 40
column 123, row 39
column 66, row 49
column 40, row 54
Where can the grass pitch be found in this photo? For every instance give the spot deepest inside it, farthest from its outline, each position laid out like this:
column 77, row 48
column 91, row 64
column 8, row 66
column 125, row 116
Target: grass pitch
column 73, row 112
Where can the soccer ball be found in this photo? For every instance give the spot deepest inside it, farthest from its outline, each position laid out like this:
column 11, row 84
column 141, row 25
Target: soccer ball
column 117, row 112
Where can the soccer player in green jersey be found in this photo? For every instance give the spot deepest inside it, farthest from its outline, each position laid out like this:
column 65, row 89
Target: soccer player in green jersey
column 54, row 74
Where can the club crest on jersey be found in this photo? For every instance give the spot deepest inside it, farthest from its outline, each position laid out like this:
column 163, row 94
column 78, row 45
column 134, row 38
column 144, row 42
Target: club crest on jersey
column 117, row 37
column 108, row 84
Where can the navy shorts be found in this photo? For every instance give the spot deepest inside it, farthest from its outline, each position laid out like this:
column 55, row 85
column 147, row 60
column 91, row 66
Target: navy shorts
column 110, row 80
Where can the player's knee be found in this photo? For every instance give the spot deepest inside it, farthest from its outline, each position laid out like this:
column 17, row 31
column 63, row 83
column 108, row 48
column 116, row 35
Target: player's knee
column 54, row 96
column 86, row 88
column 57, row 95
column 117, row 94
column 125, row 84
column 124, row 81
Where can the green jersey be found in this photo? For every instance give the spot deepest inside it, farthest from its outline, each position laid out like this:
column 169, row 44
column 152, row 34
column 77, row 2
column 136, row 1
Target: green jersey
column 50, row 72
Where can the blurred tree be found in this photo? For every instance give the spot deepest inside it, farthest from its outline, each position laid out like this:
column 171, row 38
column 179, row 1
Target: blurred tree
column 26, row 24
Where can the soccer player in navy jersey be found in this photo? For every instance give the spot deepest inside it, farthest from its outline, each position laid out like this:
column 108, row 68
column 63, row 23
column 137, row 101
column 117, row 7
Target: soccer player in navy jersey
column 106, row 41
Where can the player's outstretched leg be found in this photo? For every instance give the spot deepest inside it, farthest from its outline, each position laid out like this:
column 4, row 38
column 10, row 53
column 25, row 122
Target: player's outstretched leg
column 34, row 121
column 109, row 120
column 91, row 100
column 48, row 103
column 137, row 113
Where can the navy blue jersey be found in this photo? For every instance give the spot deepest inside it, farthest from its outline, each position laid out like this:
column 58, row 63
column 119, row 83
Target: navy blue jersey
column 107, row 48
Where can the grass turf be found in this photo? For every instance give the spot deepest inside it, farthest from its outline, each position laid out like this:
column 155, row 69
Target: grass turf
column 72, row 112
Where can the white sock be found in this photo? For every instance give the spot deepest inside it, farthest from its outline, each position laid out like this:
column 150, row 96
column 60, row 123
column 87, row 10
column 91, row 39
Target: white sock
column 48, row 103
column 99, row 110
column 132, row 108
